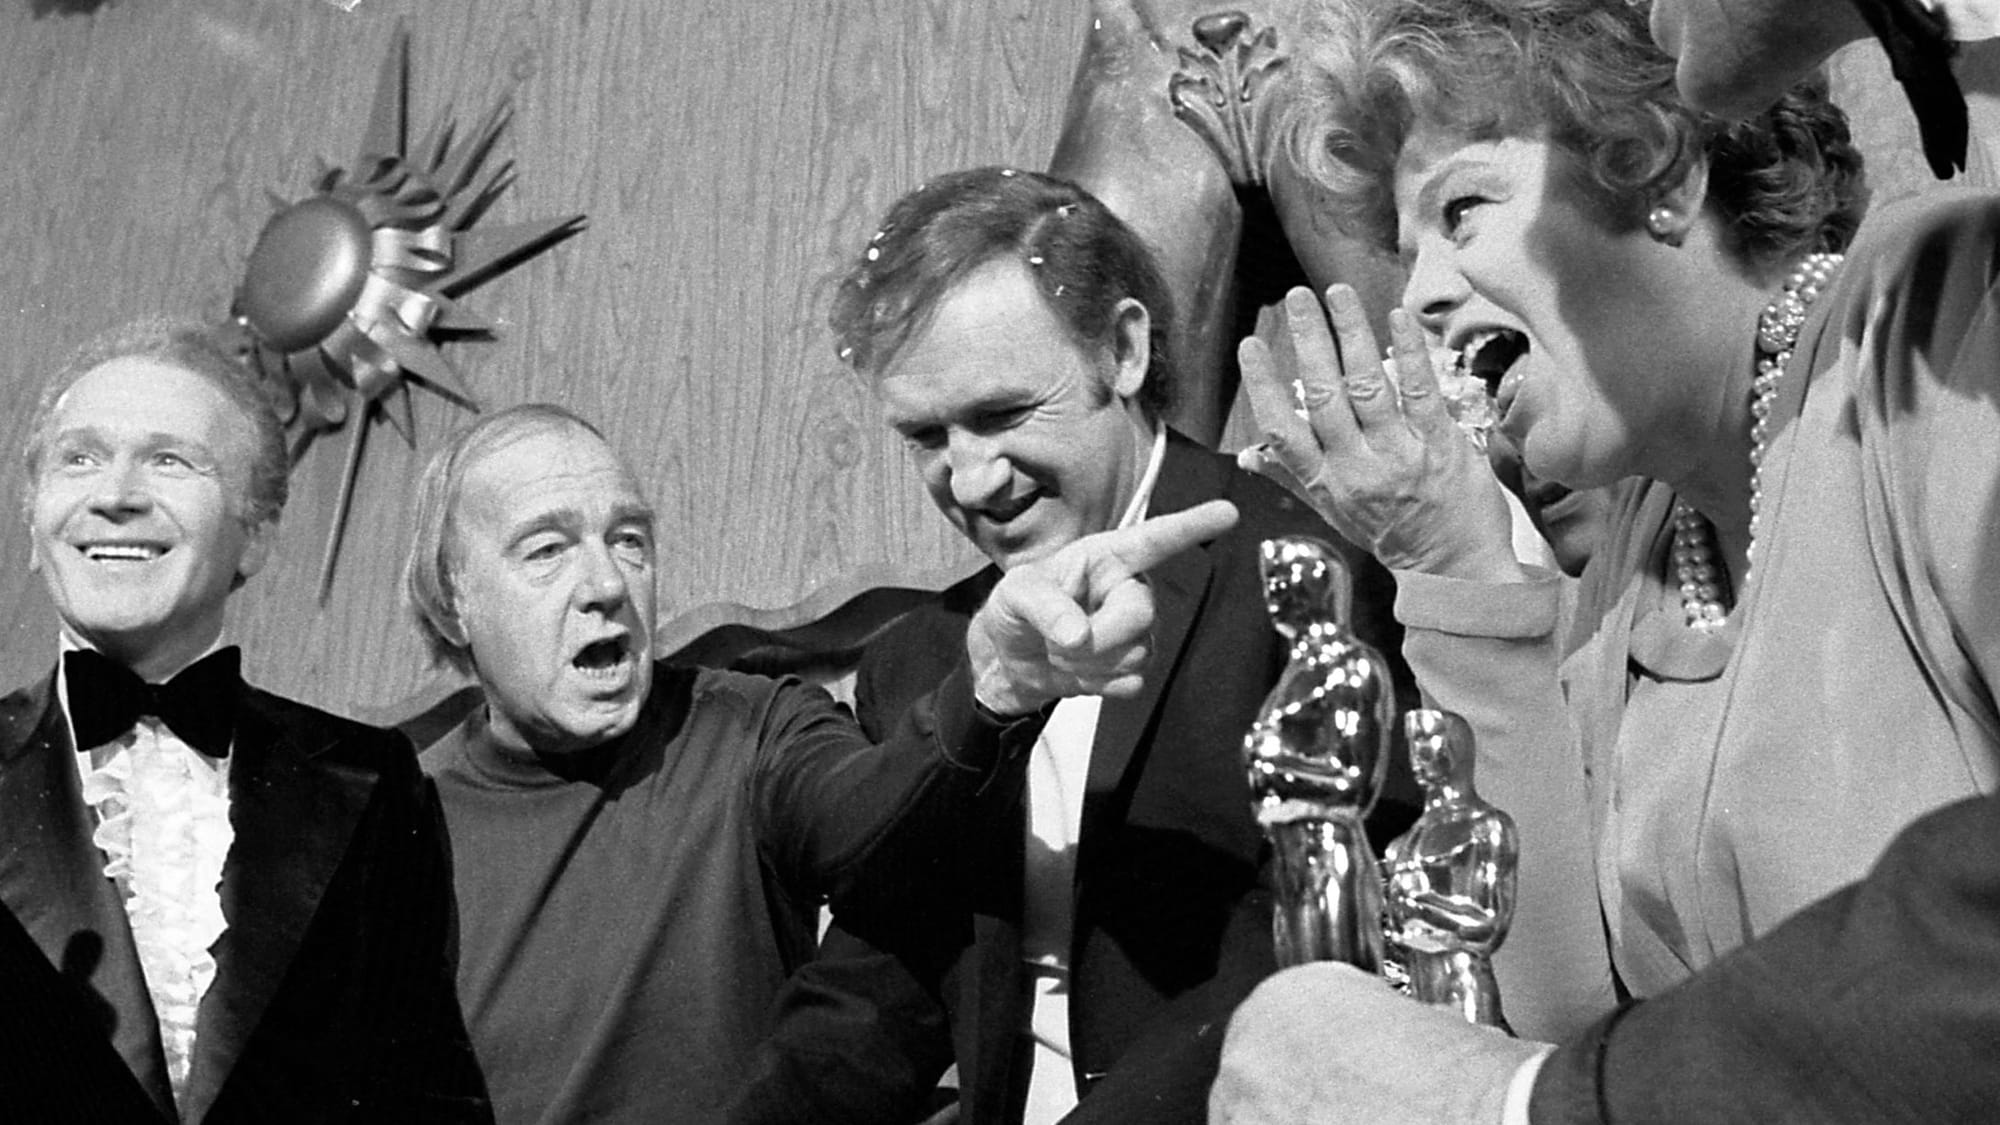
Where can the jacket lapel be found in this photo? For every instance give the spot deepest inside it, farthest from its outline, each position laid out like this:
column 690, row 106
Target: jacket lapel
column 996, row 994
column 52, row 879
column 294, row 807
column 1188, row 476
column 998, row 989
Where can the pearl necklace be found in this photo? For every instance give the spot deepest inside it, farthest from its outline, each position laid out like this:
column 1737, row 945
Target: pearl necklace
column 1696, row 566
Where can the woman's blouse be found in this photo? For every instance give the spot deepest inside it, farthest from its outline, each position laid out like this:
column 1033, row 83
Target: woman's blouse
column 1732, row 781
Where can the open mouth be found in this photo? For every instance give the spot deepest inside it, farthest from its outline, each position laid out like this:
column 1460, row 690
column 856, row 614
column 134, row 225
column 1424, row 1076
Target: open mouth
column 1490, row 355
column 1489, row 352
column 605, row 657
column 122, row 552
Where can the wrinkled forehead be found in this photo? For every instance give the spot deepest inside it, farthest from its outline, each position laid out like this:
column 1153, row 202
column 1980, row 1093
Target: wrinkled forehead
column 156, row 401
column 554, row 471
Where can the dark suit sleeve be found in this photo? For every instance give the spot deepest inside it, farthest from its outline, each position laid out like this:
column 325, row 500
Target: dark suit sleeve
column 859, row 1040
column 1878, row 1003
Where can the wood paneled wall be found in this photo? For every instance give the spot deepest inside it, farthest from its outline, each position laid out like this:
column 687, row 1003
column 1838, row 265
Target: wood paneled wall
column 730, row 154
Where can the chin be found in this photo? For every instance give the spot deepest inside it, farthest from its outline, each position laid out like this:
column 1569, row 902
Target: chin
column 621, row 719
column 110, row 623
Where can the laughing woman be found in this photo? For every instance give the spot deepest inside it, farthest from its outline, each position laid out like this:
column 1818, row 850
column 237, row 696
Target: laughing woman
column 1788, row 646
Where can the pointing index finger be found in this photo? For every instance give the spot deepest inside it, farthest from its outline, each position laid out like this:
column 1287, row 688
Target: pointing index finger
column 1150, row 542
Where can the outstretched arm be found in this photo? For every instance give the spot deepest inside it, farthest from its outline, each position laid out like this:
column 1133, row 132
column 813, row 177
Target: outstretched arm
column 835, row 810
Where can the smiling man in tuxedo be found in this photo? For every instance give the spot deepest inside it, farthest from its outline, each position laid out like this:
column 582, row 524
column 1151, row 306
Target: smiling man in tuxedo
column 216, row 905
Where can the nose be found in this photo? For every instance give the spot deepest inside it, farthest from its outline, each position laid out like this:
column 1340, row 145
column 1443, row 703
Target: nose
column 979, row 471
column 602, row 587
column 120, row 490
column 1436, row 289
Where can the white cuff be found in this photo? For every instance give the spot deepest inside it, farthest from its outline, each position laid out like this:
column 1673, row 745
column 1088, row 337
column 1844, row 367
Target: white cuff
column 1522, row 1087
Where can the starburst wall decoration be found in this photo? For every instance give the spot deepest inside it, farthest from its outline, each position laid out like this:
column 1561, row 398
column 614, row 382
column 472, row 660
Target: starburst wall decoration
column 350, row 293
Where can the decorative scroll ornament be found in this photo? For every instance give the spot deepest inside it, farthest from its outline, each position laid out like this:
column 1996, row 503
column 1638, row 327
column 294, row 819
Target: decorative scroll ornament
column 349, row 292
column 1219, row 91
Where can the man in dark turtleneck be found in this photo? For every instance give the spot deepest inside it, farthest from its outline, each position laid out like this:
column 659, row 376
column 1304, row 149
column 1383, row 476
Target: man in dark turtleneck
column 639, row 851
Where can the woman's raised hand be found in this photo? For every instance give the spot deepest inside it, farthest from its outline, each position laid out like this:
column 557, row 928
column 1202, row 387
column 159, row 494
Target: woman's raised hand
column 1383, row 462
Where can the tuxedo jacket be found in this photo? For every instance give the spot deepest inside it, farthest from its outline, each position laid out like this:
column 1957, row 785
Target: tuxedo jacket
column 333, row 994
column 1171, row 925
column 1879, row 1003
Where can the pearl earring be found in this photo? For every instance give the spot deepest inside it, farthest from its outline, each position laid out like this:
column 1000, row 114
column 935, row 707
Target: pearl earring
column 1660, row 222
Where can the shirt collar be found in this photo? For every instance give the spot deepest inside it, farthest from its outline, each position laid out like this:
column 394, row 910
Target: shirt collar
column 1142, row 496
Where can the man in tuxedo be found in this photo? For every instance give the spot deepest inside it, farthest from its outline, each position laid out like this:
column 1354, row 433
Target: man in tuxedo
column 216, row 905
column 640, row 851
column 1103, row 921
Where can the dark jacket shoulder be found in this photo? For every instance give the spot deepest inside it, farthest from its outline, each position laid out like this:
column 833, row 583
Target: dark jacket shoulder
column 309, row 730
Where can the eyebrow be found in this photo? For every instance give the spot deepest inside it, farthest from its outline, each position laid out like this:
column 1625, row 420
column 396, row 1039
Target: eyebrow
column 571, row 520
column 1427, row 198
column 156, row 439
column 989, row 402
column 556, row 519
column 633, row 513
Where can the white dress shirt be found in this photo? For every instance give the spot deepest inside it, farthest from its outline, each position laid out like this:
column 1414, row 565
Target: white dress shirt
column 161, row 810
column 1058, row 769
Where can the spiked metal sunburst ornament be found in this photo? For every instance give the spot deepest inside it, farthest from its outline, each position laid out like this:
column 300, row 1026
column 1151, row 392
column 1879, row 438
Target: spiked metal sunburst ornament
column 349, row 292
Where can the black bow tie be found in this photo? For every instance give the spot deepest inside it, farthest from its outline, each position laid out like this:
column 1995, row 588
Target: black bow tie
column 199, row 705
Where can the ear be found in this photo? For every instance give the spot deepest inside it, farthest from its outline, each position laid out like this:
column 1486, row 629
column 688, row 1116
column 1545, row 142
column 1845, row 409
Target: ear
column 451, row 626
column 1131, row 347
column 1673, row 211
column 257, row 543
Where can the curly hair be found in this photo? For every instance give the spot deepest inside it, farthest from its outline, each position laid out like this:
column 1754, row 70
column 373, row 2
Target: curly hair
column 1084, row 260
column 1585, row 75
column 213, row 352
